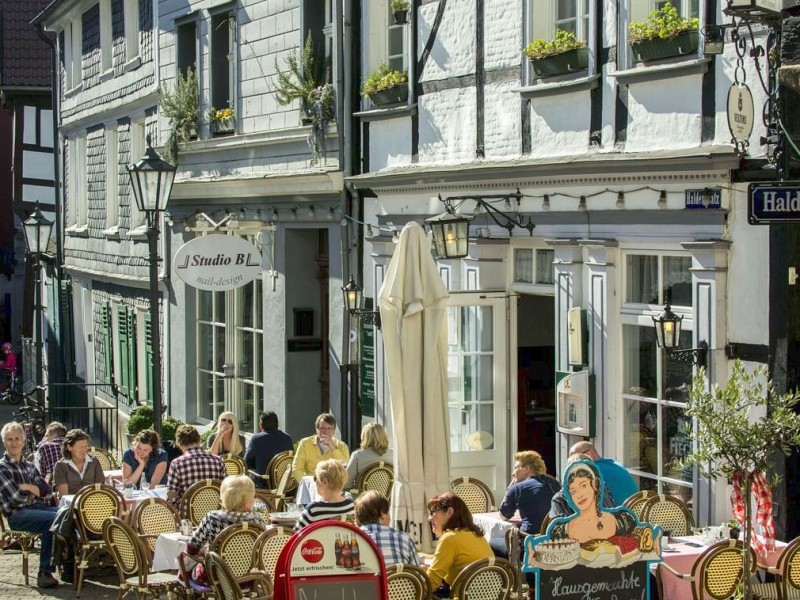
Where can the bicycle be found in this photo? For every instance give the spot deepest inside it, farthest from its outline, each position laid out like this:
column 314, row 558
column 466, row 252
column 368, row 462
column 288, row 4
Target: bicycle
column 32, row 419
column 10, row 395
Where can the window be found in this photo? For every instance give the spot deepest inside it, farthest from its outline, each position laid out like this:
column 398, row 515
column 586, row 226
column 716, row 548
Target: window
column 187, row 46
column 137, row 151
column 222, row 54
column 73, row 54
column 528, row 269
column 686, row 8
column 105, row 35
column 131, row 18
column 655, row 387
column 395, row 43
column 77, row 196
column 112, row 178
column 573, row 16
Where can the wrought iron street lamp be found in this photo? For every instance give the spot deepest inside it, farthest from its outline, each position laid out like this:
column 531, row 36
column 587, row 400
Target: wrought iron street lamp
column 352, row 301
column 38, row 230
column 668, row 336
column 151, row 183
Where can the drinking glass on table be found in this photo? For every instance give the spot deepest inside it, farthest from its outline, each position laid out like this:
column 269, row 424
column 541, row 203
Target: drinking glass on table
column 291, row 507
column 144, row 484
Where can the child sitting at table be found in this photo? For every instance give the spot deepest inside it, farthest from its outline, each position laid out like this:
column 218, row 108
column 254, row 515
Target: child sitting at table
column 330, row 477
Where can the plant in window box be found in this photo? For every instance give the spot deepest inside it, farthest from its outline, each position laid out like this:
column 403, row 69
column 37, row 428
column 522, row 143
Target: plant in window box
column 181, row 108
column 386, row 86
column 400, row 11
column 322, row 104
column 222, row 120
column 558, row 56
column 663, row 34
column 302, row 77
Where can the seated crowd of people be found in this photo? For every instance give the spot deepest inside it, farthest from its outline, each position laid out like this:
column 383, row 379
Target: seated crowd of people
column 62, row 465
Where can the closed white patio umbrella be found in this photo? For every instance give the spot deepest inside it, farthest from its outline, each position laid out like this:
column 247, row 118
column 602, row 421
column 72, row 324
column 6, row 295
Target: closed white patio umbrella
column 413, row 304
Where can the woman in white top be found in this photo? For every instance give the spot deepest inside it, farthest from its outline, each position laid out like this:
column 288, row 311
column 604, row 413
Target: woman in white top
column 374, row 448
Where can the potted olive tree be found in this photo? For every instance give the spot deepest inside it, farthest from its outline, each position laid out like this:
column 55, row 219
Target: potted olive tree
column 558, row 56
column 400, row 11
column 386, row 86
column 181, row 108
column 663, row 34
column 732, row 444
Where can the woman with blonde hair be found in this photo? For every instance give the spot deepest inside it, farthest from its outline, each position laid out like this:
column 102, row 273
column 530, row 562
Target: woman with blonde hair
column 374, row 448
column 226, row 439
column 330, row 477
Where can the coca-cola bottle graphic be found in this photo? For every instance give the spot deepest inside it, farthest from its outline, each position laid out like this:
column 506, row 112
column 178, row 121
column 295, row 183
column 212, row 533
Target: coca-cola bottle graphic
column 355, row 553
column 337, row 551
column 346, row 556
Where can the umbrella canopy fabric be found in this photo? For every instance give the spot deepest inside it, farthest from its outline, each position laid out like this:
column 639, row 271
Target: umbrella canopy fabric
column 413, row 304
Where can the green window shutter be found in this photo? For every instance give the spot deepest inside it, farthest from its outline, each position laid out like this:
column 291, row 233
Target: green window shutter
column 124, row 335
column 67, row 329
column 133, row 383
column 148, row 358
column 108, row 361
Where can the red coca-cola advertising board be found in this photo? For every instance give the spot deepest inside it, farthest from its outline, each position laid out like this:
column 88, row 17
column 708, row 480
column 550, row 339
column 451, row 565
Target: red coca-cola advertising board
column 330, row 560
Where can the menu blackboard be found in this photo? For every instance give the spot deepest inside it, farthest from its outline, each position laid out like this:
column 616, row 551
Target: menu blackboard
column 314, row 589
column 579, row 583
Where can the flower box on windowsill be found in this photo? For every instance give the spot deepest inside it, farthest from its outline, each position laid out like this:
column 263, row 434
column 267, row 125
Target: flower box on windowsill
column 223, row 126
column 684, row 43
column 400, row 17
column 395, row 95
column 561, row 64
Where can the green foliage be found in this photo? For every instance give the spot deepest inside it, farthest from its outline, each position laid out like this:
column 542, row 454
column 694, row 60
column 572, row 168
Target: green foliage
column 664, row 23
column 141, row 418
column 207, row 434
column 169, row 426
column 182, row 110
column 564, row 42
column 383, row 79
column 302, row 77
column 400, row 5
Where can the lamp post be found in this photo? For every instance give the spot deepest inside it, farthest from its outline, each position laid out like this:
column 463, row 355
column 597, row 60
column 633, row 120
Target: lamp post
column 668, row 336
column 151, row 184
column 37, row 237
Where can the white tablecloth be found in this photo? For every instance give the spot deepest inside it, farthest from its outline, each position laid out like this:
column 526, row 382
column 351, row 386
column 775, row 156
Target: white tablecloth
column 494, row 525
column 168, row 547
column 307, row 491
column 138, row 497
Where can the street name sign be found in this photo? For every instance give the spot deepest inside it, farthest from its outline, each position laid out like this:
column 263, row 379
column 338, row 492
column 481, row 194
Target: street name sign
column 775, row 202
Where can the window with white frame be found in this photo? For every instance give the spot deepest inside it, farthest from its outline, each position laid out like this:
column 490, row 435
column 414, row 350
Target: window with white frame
column 547, row 16
column 137, row 151
column 105, row 35
column 533, row 265
column 112, row 178
column 396, row 43
column 131, row 19
column 386, row 41
column 639, row 10
column 655, row 387
column 73, row 53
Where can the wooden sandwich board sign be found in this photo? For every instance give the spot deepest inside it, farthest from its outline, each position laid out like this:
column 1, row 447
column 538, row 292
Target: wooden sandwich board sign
column 598, row 552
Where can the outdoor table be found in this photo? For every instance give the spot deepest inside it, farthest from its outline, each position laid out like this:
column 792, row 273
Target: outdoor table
column 494, row 525
column 138, row 496
column 284, row 519
column 113, row 475
column 681, row 556
column 168, row 547
column 307, row 491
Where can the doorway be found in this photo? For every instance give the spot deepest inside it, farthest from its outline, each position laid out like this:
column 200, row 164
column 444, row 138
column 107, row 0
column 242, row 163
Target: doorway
column 536, row 374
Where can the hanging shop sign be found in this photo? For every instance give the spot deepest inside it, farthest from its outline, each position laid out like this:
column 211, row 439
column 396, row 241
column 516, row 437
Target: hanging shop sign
column 773, row 203
column 217, row 262
column 740, row 112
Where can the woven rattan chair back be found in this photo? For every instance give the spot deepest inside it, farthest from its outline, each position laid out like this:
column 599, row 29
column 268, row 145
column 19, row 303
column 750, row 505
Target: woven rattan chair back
column 268, row 548
column 475, row 494
column 125, row 547
column 378, row 477
column 234, row 465
column 26, row 540
column 786, row 585
column 636, row 501
column 407, row 582
column 226, row 586
column 267, row 498
column 201, row 498
column 93, row 505
column 486, row 579
column 104, row 457
column 235, row 545
column 276, row 469
column 669, row 512
column 152, row 517
column 718, row 571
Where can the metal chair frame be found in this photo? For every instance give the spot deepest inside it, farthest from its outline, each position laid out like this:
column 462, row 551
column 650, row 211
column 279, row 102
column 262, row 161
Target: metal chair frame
column 26, row 540
column 493, row 578
column 199, row 499
column 225, row 585
column 787, row 576
column 152, row 517
column 407, row 582
column 475, row 494
column 669, row 512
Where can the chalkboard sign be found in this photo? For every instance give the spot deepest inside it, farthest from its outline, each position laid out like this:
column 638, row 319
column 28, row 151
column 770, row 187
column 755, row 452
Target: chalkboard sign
column 314, row 589
column 367, row 374
column 578, row 583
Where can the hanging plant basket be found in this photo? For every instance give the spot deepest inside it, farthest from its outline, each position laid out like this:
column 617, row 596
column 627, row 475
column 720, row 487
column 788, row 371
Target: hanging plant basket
column 570, row 61
column 400, row 17
column 223, row 126
column 684, row 43
column 393, row 95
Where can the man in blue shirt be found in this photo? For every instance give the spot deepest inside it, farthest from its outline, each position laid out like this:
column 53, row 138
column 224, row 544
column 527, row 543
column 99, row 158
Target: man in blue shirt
column 265, row 445
column 616, row 477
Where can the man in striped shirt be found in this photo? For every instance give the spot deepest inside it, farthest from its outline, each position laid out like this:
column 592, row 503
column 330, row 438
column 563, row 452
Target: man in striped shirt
column 330, row 477
column 372, row 514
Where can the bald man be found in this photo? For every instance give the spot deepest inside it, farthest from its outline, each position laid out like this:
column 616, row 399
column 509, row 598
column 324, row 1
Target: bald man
column 618, row 481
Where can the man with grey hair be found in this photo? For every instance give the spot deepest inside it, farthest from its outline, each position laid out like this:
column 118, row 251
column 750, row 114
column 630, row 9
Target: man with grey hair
column 26, row 499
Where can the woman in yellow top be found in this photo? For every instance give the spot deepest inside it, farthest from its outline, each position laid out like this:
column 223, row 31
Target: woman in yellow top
column 315, row 448
column 461, row 542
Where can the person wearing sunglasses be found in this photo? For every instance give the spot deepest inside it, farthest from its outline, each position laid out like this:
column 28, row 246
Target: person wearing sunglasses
column 226, row 439
column 315, row 448
column 461, row 541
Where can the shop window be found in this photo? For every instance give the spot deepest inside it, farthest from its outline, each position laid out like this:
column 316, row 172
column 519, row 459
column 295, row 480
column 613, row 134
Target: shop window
column 221, row 60
column 533, row 266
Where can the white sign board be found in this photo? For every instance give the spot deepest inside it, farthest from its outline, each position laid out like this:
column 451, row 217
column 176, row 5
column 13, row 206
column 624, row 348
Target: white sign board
column 217, row 262
column 740, row 112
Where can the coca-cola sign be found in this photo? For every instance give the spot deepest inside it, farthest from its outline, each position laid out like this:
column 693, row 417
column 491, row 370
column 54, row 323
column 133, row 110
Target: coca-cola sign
column 312, row 551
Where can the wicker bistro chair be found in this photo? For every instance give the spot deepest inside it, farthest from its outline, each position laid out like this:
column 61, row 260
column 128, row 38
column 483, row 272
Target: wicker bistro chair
column 26, row 539
column 513, row 538
column 268, row 548
column 234, row 465
column 637, row 501
column 133, row 564
column 91, row 507
column 200, row 498
column 226, row 586
column 669, row 512
column 787, row 576
column 104, row 457
column 486, row 579
column 378, row 477
column 475, row 494
column 279, row 495
column 151, row 518
column 407, row 582
column 715, row 573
